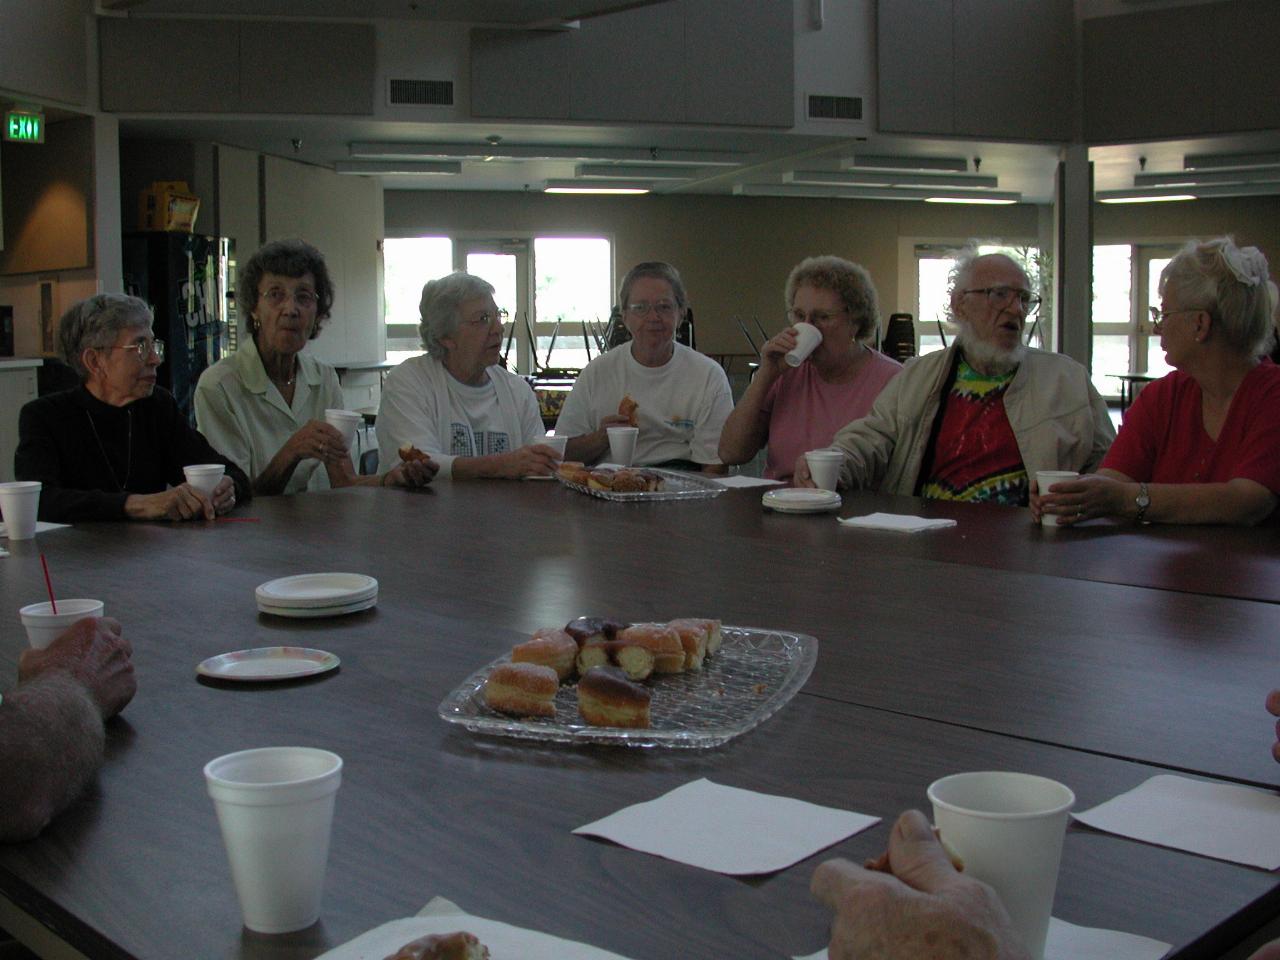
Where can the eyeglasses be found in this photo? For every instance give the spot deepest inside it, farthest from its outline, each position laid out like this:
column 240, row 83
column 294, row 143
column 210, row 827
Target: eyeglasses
column 487, row 319
column 1158, row 316
column 665, row 309
column 1001, row 297
column 278, row 297
column 145, row 349
column 816, row 317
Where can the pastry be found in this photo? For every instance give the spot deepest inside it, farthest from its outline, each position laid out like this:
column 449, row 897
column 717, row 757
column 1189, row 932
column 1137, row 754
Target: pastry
column 714, row 636
column 627, row 408
column 630, row 481
column 443, row 946
column 636, row 661
column 668, row 651
column 522, row 689
column 574, row 471
column 606, row 698
column 693, row 636
column 600, row 479
column 583, row 629
column 409, row 453
column 551, row 647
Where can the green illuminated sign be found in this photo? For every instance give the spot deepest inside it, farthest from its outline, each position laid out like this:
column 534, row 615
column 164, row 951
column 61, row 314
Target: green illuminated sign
column 24, row 127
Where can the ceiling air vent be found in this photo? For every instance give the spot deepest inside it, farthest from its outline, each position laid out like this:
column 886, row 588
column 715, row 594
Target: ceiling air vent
column 431, row 93
column 834, row 108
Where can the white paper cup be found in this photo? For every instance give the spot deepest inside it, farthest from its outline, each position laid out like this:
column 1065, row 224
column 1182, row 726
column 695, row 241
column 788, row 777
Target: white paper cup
column 44, row 626
column 807, row 339
column 204, row 476
column 275, row 808
column 556, row 444
column 824, row 467
column 1008, row 828
column 19, row 504
column 622, row 445
column 345, row 422
column 1044, row 480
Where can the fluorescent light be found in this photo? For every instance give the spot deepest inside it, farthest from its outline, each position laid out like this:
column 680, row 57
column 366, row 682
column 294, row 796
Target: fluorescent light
column 635, row 171
column 871, row 193
column 1210, row 161
column 584, row 186
column 416, row 168
column 866, row 162
column 851, row 178
column 503, row 151
column 1202, row 177
column 988, row 200
column 1120, row 196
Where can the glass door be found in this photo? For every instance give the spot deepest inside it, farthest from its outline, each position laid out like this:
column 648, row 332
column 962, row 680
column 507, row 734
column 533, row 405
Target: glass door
column 1151, row 261
column 505, row 264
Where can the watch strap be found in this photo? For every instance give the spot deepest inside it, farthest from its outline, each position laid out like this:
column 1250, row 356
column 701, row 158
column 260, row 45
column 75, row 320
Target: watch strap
column 1143, row 500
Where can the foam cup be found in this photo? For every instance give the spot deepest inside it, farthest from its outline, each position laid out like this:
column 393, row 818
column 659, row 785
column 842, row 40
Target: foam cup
column 622, row 445
column 345, row 422
column 19, row 505
column 1008, row 828
column 824, row 467
column 275, row 809
column 807, row 339
column 44, row 626
column 556, row 444
column 1044, row 480
column 204, row 476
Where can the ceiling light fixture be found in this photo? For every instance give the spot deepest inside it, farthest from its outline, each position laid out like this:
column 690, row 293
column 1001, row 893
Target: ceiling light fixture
column 867, row 162
column 851, row 178
column 872, row 193
column 634, row 171
column 1197, row 178
column 1128, row 196
column 994, row 201
column 626, row 188
column 583, row 154
column 410, row 168
column 1214, row 161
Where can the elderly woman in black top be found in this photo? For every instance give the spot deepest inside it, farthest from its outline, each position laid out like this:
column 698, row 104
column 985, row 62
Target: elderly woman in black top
column 114, row 447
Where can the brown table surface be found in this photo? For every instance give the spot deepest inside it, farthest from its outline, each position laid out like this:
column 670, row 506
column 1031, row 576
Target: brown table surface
column 925, row 668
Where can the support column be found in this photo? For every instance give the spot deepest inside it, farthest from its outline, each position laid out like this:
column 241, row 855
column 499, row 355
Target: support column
column 1073, row 254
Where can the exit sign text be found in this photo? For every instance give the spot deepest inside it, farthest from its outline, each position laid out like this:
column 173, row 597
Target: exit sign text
column 24, row 127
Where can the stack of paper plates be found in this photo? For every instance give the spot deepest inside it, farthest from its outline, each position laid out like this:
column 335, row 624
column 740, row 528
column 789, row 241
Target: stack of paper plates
column 317, row 595
column 801, row 500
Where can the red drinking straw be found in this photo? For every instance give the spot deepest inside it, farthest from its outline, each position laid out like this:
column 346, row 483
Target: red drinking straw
column 48, row 585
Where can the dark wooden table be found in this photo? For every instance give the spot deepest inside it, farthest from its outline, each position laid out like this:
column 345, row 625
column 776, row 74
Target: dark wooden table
column 926, row 666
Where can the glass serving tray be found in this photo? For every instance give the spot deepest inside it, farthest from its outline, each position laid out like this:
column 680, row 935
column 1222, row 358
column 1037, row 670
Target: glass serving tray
column 678, row 486
column 749, row 679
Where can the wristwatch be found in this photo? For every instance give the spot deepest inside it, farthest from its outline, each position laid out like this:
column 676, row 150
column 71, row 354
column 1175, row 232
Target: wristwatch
column 1143, row 500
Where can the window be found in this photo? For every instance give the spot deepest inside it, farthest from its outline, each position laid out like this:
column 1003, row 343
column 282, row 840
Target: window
column 572, row 298
column 933, row 285
column 1126, row 280
column 407, row 265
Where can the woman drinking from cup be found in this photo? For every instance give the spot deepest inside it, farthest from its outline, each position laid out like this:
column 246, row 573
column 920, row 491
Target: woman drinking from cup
column 265, row 404
column 114, row 447
column 816, row 375
column 1201, row 445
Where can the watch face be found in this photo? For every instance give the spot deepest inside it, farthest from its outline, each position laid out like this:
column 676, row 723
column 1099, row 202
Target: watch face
column 1143, row 500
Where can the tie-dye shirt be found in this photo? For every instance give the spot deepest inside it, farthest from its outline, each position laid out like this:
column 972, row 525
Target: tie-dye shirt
column 976, row 456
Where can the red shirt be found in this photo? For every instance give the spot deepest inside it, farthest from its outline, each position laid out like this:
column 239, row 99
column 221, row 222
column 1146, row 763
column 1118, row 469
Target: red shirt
column 1163, row 439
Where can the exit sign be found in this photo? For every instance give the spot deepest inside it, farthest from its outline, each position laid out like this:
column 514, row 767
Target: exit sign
column 22, row 127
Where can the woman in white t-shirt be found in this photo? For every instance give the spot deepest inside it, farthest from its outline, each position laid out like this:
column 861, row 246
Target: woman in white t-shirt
column 682, row 397
column 456, row 403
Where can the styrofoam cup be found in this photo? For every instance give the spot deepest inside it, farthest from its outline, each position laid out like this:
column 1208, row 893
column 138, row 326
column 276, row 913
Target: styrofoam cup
column 345, row 422
column 204, row 476
column 807, row 339
column 556, row 444
column 19, row 505
column 1044, row 480
column 622, row 445
column 824, row 467
column 1008, row 828
column 44, row 626
column 275, row 809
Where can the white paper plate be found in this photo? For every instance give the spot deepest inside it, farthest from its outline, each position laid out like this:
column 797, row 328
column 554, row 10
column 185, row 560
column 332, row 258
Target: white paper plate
column 268, row 663
column 317, row 590
column 311, row 613
column 801, row 500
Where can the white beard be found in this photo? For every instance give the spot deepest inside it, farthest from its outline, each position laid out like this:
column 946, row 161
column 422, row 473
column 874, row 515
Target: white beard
column 987, row 357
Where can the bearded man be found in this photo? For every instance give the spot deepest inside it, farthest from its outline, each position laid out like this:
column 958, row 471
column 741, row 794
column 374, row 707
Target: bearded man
column 976, row 421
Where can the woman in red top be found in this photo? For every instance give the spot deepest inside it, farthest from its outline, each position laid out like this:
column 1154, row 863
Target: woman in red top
column 1201, row 445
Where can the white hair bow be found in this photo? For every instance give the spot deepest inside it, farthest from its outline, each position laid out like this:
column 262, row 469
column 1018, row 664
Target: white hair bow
column 1247, row 264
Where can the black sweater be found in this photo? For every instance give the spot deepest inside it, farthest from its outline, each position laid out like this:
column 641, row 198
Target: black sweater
column 90, row 456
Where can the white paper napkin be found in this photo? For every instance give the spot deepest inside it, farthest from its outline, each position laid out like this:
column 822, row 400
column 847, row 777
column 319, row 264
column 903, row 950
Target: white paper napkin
column 41, row 527
column 896, row 522
column 741, row 481
column 1068, row 942
column 733, row 831
column 1221, row 820
column 504, row 941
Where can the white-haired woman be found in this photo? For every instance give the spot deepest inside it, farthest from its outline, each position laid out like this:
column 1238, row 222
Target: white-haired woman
column 801, row 408
column 114, row 447
column 456, row 403
column 1201, row 445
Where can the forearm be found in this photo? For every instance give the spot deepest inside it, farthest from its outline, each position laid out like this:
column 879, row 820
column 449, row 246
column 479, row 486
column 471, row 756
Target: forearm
column 1237, row 502
column 51, row 744
column 478, row 468
column 747, row 428
column 715, row 469
column 588, row 448
column 276, row 474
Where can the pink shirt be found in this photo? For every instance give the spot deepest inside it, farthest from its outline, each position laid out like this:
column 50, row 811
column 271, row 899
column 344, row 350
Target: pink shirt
column 805, row 411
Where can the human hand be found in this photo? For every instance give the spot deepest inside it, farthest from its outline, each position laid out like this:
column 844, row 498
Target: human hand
column 613, row 420
column 183, row 502
column 773, row 353
column 1273, row 708
column 800, row 476
column 537, row 459
column 1084, row 498
column 224, row 496
column 411, row 474
column 317, row 440
column 922, row 908
column 96, row 654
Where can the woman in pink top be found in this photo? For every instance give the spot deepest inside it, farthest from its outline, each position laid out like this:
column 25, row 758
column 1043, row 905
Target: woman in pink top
column 796, row 409
column 1201, row 445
